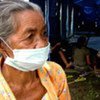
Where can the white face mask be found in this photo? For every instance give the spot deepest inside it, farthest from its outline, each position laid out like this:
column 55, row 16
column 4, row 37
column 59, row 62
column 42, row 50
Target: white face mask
column 28, row 59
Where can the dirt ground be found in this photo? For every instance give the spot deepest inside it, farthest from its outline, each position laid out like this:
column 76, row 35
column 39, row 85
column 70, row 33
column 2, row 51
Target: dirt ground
column 84, row 88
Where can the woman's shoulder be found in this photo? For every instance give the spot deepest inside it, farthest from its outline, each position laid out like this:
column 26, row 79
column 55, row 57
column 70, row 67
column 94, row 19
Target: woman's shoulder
column 55, row 69
column 54, row 65
column 56, row 75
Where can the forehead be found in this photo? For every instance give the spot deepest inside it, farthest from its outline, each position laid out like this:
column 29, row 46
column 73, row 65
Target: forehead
column 30, row 18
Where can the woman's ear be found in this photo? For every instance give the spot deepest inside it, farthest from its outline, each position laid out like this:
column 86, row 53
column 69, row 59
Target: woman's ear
column 2, row 51
column 5, row 50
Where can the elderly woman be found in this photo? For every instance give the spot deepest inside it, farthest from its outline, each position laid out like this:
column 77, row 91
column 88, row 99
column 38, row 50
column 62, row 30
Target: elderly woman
column 25, row 73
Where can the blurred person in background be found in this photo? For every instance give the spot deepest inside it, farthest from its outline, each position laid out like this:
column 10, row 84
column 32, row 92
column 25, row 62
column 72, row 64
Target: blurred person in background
column 81, row 55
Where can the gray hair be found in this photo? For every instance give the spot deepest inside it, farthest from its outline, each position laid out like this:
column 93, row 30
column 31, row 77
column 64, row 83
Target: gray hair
column 8, row 9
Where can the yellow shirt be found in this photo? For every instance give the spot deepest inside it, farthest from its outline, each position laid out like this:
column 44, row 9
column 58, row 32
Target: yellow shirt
column 52, row 78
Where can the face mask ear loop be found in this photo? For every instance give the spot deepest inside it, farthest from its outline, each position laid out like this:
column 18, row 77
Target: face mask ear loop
column 5, row 43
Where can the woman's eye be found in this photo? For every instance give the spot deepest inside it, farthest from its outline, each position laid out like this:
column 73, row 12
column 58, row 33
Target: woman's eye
column 30, row 36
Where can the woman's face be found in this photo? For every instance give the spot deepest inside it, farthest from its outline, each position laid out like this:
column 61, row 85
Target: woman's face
column 30, row 33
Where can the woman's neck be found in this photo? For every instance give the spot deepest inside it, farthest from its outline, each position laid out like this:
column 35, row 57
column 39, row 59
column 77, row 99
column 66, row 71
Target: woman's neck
column 16, row 77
